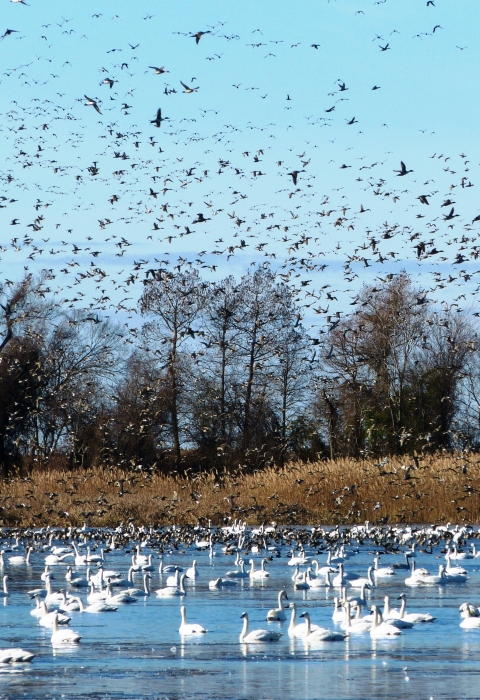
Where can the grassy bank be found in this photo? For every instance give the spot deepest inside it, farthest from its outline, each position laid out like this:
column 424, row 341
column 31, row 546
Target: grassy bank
column 435, row 488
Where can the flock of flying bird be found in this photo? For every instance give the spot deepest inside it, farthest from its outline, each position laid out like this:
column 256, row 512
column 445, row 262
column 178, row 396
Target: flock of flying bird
column 197, row 192
column 79, row 561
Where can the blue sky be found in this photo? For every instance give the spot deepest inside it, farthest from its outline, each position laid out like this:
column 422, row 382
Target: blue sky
column 261, row 107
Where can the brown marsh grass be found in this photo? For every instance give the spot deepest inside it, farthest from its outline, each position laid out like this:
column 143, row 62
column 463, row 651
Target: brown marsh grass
column 435, row 488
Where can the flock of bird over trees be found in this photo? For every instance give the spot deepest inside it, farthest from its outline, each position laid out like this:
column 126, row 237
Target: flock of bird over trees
column 193, row 286
column 223, row 375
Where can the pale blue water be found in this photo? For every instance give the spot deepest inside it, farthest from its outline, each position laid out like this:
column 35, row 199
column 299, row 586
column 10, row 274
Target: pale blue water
column 137, row 652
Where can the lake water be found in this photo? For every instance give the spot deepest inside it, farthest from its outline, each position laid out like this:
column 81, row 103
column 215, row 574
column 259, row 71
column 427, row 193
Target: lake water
column 137, row 652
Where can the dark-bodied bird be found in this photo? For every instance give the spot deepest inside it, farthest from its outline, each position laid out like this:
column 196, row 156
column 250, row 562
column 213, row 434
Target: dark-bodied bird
column 158, row 119
column 403, row 170
column 423, row 199
column 450, row 215
column 294, row 175
column 7, row 33
column 198, row 36
column 159, row 71
column 200, row 219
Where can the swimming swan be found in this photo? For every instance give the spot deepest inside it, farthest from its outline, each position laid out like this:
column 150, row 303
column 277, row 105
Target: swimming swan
column 255, row 636
column 299, row 630
column 63, row 635
column 321, row 634
column 416, row 618
column 186, row 628
column 380, row 629
column 278, row 613
column 170, row 591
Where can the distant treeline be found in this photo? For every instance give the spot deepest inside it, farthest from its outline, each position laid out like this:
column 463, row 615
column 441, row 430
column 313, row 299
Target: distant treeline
column 222, row 376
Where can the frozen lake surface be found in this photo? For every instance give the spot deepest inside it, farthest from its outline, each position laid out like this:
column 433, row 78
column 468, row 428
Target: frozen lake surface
column 137, row 652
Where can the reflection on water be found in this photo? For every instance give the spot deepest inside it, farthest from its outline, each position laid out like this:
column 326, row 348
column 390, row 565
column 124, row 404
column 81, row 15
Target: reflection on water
column 137, row 652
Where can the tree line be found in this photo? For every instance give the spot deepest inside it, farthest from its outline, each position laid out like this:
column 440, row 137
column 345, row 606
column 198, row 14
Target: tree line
column 224, row 376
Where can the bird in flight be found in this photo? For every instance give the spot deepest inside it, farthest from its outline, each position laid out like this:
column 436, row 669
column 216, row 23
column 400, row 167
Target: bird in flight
column 158, row 119
column 187, row 89
column 7, row 33
column 159, row 71
column 403, row 170
column 92, row 103
column 198, row 36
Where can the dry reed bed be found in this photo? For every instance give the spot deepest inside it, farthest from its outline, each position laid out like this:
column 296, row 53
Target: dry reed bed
column 436, row 488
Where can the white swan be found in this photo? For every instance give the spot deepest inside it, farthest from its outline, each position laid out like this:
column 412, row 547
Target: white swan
column 416, row 618
column 258, row 574
column 121, row 598
column 278, row 613
column 98, row 607
column 140, row 592
column 361, row 581
column 301, row 559
column 15, row 656
column 380, row 629
column 95, row 596
column 343, row 576
column 186, row 628
column 318, row 583
column 359, row 599
column 392, row 617
column 78, row 581
column 323, row 570
column 238, row 574
column 19, row 559
column 175, row 579
column 415, row 578
column 469, row 622
column 303, row 583
column 5, row 593
column 48, row 618
column 355, row 626
column 321, row 634
column 63, row 635
column 192, row 571
column 338, row 614
column 54, row 559
column 221, row 583
column 453, row 570
column 170, row 591
column 299, row 630
column 255, row 636
column 382, row 572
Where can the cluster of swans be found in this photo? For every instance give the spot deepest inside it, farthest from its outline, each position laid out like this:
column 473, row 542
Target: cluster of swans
column 97, row 589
